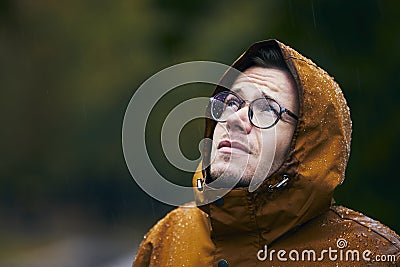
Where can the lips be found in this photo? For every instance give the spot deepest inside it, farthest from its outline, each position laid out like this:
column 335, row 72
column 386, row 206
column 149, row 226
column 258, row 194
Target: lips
column 232, row 145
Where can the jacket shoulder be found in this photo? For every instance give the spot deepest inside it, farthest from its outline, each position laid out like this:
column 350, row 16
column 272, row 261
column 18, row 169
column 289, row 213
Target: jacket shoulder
column 368, row 224
column 176, row 219
column 366, row 232
column 166, row 231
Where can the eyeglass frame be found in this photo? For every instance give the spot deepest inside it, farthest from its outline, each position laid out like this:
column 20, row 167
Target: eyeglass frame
column 282, row 109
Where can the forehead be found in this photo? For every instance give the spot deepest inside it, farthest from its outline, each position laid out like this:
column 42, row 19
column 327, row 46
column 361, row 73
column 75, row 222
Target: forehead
column 258, row 81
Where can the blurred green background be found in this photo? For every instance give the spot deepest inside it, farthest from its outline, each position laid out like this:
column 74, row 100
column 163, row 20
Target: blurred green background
column 69, row 69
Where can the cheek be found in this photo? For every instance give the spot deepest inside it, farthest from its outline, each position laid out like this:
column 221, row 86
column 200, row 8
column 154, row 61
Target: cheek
column 284, row 138
column 219, row 132
column 217, row 135
column 268, row 146
column 267, row 140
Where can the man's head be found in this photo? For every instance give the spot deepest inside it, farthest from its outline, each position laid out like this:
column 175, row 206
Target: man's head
column 243, row 150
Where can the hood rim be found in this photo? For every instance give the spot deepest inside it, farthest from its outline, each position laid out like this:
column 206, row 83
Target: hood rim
column 242, row 63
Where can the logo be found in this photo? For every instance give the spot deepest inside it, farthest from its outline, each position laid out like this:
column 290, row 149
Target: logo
column 342, row 252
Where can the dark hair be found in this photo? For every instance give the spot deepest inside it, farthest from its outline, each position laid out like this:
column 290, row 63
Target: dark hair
column 269, row 58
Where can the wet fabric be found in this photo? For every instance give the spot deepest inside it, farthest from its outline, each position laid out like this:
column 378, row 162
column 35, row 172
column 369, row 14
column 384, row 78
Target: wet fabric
column 299, row 221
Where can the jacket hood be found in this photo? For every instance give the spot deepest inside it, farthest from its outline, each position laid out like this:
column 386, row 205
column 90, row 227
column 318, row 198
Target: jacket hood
column 315, row 164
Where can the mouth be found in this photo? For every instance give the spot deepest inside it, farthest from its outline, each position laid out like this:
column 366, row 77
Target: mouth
column 228, row 147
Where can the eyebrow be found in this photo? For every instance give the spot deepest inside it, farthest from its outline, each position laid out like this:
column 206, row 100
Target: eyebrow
column 237, row 90
column 240, row 91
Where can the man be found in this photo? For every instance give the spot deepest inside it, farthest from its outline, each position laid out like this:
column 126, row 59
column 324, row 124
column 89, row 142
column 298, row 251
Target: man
column 281, row 211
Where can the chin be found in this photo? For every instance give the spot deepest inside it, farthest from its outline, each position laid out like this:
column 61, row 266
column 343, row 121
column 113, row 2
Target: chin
column 242, row 184
column 231, row 170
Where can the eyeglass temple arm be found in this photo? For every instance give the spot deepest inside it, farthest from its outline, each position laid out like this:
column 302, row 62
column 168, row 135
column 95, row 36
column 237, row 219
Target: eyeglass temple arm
column 290, row 113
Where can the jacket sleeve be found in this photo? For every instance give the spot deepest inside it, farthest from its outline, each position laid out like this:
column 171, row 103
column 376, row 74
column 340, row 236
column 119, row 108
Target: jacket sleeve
column 143, row 255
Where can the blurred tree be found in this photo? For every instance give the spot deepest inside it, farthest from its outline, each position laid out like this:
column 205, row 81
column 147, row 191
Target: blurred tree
column 70, row 68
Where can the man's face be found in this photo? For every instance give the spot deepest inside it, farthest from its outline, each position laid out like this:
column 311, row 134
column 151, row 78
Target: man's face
column 241, row 150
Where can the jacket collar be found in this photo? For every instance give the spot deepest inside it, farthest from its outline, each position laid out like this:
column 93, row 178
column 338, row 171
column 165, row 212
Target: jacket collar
column 268, row 212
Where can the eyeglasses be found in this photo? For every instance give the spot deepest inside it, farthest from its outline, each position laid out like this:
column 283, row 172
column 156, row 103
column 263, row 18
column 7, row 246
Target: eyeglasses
column 263, row 112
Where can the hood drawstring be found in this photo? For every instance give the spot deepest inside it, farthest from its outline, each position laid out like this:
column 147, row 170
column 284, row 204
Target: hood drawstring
column 199, row 184
column 280, row 184
column 271, row 188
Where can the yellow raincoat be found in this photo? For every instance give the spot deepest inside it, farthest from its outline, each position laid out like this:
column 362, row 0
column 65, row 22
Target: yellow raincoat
column 296, row 225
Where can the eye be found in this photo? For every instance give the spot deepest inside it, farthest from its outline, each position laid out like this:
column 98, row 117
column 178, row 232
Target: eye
column 265, row 106
column 271, row 108
column 264, row 109
column 232, row 103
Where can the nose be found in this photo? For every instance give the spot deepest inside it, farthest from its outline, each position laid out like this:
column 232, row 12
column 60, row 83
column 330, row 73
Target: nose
column 239, row 121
